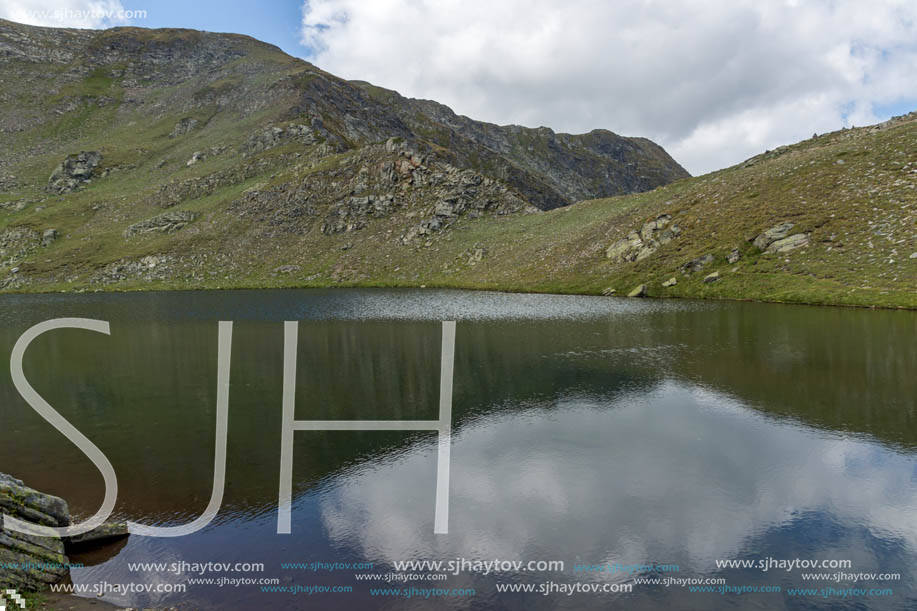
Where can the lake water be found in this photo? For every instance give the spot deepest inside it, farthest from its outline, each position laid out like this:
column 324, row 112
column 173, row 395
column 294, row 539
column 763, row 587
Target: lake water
column 586, row 430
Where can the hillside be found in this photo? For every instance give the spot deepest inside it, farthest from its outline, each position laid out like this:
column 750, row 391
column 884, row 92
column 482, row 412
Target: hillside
column 169, row 159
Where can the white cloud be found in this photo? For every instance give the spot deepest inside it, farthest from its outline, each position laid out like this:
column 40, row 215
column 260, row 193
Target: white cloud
column 714, row 82
column 590, row 476
column 66, row 13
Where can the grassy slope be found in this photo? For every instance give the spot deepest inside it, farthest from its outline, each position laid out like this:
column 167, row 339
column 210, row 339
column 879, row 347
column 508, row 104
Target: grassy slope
column 854, row 190
column 866, row 206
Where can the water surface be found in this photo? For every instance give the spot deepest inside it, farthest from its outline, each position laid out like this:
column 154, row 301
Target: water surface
column 588, row 430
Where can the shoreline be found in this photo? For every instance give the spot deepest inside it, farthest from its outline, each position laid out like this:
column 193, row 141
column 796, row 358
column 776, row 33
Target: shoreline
column 453, row 287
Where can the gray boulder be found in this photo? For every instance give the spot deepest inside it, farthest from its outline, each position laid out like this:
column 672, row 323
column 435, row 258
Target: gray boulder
column 696, row 265
column 778, row 232
column 797, row 240
column 48, row 237
column 183, row 127
column 74, row 171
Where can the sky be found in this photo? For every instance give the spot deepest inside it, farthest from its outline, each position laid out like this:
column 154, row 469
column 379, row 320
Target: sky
column 714, row 81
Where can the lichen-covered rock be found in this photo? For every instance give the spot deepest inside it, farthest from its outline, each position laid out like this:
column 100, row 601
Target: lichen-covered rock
column 639, row 245
column 797, row 240
column 733, row 256
column 31, row 563
column 74, row 171
column 710, row 278
column 778, row 232
column 638, row 291
column 623, row 248
column 670, row 282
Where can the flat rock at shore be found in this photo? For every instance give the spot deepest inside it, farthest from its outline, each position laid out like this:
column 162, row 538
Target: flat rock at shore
column 41, row 561
column 34, row 563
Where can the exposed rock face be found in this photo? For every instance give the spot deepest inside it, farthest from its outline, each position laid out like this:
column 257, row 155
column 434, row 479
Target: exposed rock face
column 352, row 213
column 168, row 222
column 710, row 278
column 174, row 193
column 74, row 171
column 638, row 291
column 26, row 551
column 273, row 136
column 374, row 183
column 566, row 167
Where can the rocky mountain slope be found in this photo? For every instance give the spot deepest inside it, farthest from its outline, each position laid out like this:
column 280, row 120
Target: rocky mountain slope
column 161, row 159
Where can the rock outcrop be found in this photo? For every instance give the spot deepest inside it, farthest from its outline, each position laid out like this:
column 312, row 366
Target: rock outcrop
column 74, row 171
column 639, row 245
column 184, row 126
column 778, row 239
column 48, row 237
column 792, row 242
column 696, row 265
column 32, row 563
